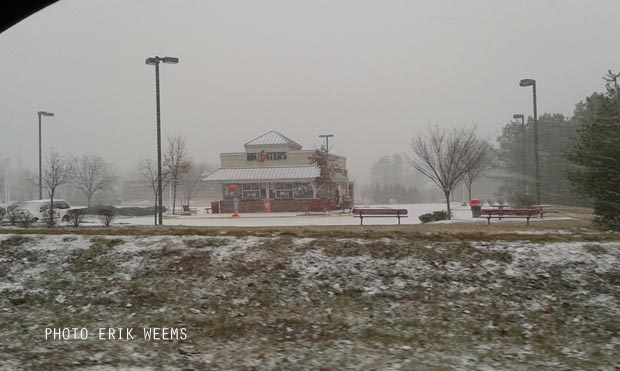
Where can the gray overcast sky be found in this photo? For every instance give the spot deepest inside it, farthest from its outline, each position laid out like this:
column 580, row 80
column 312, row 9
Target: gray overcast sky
column 372, row 73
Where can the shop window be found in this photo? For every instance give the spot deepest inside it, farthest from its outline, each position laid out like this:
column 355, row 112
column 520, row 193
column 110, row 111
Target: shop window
column 284, row 190
column 228, row 194
column 302, row 190
column 251, row 191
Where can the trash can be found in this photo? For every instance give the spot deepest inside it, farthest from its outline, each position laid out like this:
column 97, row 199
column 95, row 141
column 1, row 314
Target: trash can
column 267, row 205
column 475, row 208
column 348, row 203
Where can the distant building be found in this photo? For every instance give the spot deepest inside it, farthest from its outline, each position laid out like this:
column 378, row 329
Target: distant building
column 138, row 192
column 274, row 174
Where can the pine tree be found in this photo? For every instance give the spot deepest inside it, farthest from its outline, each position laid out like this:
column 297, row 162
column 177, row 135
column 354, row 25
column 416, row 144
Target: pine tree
column 597, row 154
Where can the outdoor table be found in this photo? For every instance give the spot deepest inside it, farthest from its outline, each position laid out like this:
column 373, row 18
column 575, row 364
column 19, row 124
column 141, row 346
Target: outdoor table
column 540, row 208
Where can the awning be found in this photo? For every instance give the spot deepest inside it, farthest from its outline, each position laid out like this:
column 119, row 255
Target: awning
column 264, row 174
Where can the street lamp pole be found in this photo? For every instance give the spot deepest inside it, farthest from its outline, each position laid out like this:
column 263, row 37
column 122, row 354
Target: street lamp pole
column 154, row 61
column 520, row 116
column 7, row 181
column 532, row 83
column 326, row 136
column 49, row 114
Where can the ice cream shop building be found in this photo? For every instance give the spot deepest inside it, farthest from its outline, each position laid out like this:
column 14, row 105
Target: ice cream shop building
column 275, row 174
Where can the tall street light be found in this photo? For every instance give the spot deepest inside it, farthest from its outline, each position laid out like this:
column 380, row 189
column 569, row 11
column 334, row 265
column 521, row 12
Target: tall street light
column 520, row 116
column 154, row 61
column 47, row 114
column 326, row 136
column 7, row 181
column 532, row 83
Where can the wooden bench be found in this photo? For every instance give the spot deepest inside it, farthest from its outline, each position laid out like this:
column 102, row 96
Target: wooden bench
column 509, row 213
column 378, row 213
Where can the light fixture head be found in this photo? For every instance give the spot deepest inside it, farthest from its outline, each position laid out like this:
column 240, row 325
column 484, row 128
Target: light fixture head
column 170, row 60
column 152, row 61
column 527, row 82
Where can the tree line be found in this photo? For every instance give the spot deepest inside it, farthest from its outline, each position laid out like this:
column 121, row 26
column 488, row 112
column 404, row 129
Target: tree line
column 579, row 158
column 89, row 175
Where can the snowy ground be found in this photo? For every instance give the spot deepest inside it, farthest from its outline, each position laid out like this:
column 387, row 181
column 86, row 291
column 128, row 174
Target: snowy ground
column 460, row 214
column 313, row 300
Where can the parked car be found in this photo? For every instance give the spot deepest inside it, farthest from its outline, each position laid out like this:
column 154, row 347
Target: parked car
column 10, row 206
column 39, row 209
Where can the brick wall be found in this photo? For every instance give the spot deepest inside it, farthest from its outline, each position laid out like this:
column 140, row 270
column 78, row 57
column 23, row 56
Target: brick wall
column 257, row 206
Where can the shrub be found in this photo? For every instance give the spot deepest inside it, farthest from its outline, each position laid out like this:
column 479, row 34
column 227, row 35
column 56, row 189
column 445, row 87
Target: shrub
column 122, row 211
column 12, row 218
column 434, row 216
column 522, row 200
column 76, row 216
column 24, row 219
column 107, row 215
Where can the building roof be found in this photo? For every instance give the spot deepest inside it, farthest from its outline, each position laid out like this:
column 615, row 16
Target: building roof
column 273, row 138
column 263, row 174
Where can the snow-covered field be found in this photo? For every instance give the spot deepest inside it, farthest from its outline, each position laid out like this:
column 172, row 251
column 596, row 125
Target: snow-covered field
column 312, row 300
column 460, row 214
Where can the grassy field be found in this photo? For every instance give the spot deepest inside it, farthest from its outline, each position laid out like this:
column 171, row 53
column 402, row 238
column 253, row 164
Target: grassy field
column 419, row 297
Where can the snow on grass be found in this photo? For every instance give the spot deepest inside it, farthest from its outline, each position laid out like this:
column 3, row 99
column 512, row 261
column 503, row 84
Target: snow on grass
column 269, row 302
column 300, row 219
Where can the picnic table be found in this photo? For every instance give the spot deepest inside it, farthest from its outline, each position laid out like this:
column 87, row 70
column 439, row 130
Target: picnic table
column 541, row 209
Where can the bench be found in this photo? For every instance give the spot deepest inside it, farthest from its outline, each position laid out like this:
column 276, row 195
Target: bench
column 378, row 213
column 509, row 213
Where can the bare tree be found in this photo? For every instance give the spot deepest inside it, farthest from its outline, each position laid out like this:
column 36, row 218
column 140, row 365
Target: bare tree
column 445, row 156
column 612, row 81
column 176, row 162
column 27, row 187
column 328, row 170
column 148, row 172
column 91, row 174
column 191, row 182
column 57, row 172
column 480, row 162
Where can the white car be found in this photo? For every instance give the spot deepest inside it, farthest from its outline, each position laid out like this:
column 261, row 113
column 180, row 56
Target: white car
column 39, row 209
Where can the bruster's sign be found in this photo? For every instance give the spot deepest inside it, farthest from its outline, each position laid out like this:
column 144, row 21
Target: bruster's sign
column 262, row 156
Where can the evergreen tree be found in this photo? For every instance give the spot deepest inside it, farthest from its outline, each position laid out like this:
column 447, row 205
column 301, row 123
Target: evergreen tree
column 555, row 138
column 597, row 153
